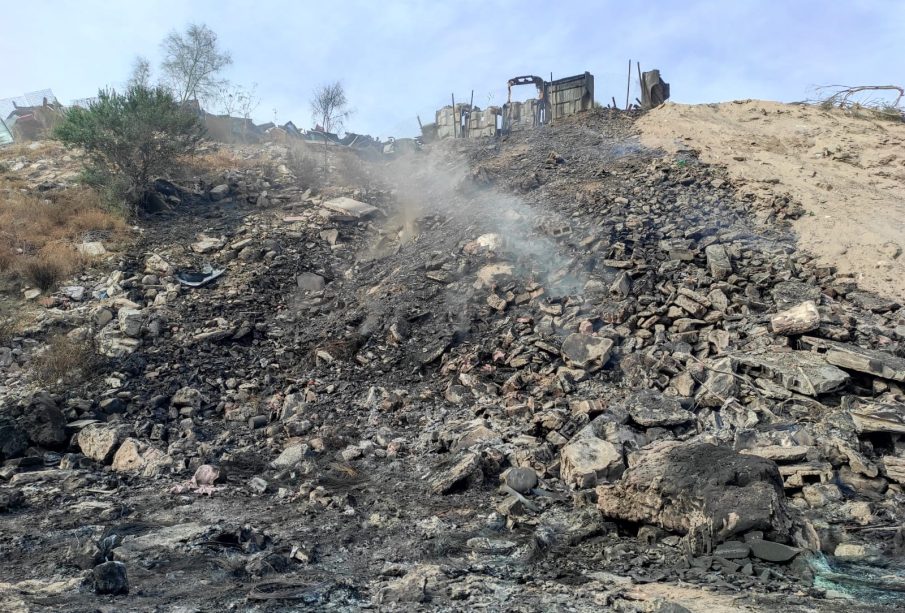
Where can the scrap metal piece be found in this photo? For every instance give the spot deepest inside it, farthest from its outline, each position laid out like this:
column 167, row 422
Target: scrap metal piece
column 193, row 278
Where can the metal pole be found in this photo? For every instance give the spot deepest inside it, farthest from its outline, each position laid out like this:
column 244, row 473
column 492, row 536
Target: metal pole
column 628, row 83
column 640, row 83
column 455, row 128
column 470, row 110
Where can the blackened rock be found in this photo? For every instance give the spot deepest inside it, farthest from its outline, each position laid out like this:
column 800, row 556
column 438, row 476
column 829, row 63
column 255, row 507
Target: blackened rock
column 521, row 479
column 13, row 441
column 465, row 469
column 718, row 261
column 310, row 282
column 773, row 552
column 873, row 302
column 43, row 422
column 732, row 550
column 110, row 578
column 10, row 499
column 680, row 486
column 789, row 293
column 586, row 352
column 650, row 408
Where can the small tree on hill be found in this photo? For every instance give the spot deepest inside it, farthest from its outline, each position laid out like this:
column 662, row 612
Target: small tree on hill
column 141, row 72
column 329, row 108
column 192, row 62
column 133, row 137
column 237, row 101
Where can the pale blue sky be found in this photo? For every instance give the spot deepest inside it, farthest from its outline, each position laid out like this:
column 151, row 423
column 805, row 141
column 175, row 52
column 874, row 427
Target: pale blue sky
column 399, row 59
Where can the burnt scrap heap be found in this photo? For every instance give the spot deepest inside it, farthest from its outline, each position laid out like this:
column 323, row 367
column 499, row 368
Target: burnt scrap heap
column 554, row 99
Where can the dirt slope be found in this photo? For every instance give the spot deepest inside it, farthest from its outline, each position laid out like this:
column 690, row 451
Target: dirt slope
column 847, row 172
column 419, row 402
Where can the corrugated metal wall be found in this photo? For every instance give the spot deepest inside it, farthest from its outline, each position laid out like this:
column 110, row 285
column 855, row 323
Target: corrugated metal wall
column 6, row 137
column 571, row 95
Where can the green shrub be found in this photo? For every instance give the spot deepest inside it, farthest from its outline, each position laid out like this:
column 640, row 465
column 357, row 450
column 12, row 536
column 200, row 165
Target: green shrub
column 136, row 136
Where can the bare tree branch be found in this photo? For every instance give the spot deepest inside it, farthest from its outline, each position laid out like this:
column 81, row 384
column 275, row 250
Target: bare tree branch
column 236, row 101
column 849, row 97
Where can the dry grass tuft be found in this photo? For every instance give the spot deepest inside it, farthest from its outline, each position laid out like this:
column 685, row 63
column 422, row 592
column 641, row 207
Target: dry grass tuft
column 304, row 167
column 354, row 172
column 32, row 150
column 43, row 274
column 7, row 258
column 38, row 234
column 7, row 330
column 213, row 163
column 64, row 360
column 53, row 263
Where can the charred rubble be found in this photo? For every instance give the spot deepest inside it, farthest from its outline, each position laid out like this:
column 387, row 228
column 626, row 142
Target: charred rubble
column 551, row 370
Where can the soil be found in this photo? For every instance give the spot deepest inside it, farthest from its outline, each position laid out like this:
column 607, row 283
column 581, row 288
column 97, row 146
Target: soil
column 848, row 172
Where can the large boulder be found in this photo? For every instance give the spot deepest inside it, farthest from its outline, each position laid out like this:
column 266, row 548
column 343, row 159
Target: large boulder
column 593, row 456
column 682, row 486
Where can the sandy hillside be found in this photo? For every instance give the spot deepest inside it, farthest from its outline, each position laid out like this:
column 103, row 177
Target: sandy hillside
column 847, row 172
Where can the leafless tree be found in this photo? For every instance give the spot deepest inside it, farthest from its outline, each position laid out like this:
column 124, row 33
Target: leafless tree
column 329, row 106
column 141, row 72
column 192, row 61
column 236, row 101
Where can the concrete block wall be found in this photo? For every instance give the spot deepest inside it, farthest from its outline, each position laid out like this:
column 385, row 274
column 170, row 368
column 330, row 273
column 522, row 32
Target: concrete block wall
column 480, row 122
column 483, row 123
column 521, row 114
column 446, row 120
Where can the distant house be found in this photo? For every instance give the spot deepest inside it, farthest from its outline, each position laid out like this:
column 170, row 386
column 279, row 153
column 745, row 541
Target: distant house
column 291, row 130
column 227, row 129
column 27, row 123
column 319, row 136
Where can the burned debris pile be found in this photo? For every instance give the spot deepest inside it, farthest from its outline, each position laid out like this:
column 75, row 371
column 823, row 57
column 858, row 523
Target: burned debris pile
column 557, row 369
